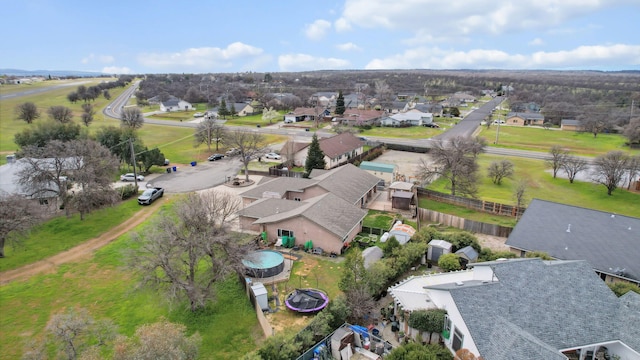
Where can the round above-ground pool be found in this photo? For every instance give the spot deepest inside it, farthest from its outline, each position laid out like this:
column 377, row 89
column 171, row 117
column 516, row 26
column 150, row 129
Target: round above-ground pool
column 306, row 300
column 263, row 263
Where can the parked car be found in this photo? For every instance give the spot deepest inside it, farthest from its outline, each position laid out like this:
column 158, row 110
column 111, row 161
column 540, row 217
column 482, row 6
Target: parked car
column 150, row 195
column 131, row 177
column 198, row 114
column 232, row 151
column 499, row 122
column 272, row 155
column 431, row 125
column 215, row 157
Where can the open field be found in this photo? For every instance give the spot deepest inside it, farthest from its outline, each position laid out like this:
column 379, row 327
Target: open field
column 539, row 139
column 542, row 185
column 9, row 125
column 12, row 89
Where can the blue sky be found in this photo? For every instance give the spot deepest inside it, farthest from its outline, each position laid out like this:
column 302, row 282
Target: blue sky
column 160, row 36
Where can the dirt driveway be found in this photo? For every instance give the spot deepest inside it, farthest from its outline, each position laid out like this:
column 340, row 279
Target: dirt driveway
column 407, row 162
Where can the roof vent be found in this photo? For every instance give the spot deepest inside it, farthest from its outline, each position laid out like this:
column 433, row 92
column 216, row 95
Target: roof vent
column 485, row 281
column 613, row 215
column 569, row 228
column 459, row 283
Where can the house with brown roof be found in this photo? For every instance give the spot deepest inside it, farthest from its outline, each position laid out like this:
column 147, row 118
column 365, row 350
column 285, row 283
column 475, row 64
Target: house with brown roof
column 337, row 150
column 358, row 117
column 327, row 208
column 525, row 119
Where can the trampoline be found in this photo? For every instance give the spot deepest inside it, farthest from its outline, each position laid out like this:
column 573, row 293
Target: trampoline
column 306, row 300
column 263, row 263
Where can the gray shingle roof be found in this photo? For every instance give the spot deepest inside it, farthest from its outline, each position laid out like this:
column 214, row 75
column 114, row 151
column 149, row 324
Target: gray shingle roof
column 536, row 306
column 279, row 185
column 348, row 182
column 327, row 210
column 607, row 241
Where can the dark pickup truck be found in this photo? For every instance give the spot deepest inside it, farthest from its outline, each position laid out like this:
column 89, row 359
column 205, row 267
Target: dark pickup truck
column 150, row 195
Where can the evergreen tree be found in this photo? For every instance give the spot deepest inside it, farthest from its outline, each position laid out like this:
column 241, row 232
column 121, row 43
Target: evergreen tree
column 340, row 108
column 222, row 109
column 315, row 156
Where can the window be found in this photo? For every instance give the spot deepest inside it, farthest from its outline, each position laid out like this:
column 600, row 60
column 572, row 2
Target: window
column 282, row 233
column 457, row 340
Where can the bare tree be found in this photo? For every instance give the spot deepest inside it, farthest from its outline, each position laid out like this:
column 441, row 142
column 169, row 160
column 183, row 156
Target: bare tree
column 289, row 152
column 61, row 114
column 221, row 206
column 609, row 169
column 633, row 169
column 520, row 195
column 383, row 93
column 78, row 336
column 632, row 131
column 45, row 171
column 558, row 156
column 17, row 215
column 186, row 252
column 208, row 132
column 132, row 118
column 594, row 122
column 161, row 340
column 71, row 331
column 573, row 165
column 94, row 167
column 456, row 161
column 250, row 144
column 499, row 170
column 27, row 112
column 87, row 114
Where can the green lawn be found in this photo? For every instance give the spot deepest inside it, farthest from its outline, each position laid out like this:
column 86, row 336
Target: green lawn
column 378, row 219
column 105, row 287
column 542, row 185
column 62, row 233
column 539, row 139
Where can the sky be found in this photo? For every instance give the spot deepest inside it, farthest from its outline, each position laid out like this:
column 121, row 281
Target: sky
column 142, row 37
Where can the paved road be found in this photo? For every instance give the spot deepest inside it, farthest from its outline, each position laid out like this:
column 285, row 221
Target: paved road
column 470, row 123
column 40, row 90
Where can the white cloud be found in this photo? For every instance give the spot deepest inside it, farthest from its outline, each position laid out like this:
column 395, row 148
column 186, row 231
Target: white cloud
column 599, row 56
column 103, row 59
column 203, row 58
column 342, row 25
column 349, row 47
column 462, row 19
column 303, row 62
column 116, row 70
column 317, row 30
column 536, row 42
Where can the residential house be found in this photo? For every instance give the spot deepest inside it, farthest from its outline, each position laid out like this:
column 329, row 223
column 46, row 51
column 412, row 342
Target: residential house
column 385, row 172
column 409, row 118
column 525, row 119
column 463, row 98
column 608, row 241
column 304, row 114
column 338, row 150
column 243, row 109
column 359, row 117
column 435, row 109
column 324, row 98
column 45, row 193
column 326, row 209
column 570, row 125
column 522, row 309
column 355, row 100
column 175, row 104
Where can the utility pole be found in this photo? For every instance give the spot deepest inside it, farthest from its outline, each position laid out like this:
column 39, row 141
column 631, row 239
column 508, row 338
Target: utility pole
column 133, row 160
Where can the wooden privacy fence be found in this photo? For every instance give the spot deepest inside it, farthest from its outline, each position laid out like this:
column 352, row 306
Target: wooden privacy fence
column 266, row 327
column 474, row 204
column 462, row 223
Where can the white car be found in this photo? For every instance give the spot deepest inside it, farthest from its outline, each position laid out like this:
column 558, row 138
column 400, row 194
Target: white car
column 131, row 177
column 198, row 114
column 499, row 122
column 272, row 155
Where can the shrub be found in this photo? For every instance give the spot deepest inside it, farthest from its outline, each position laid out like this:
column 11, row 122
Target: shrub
column 128, row 191
column 449, row 262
